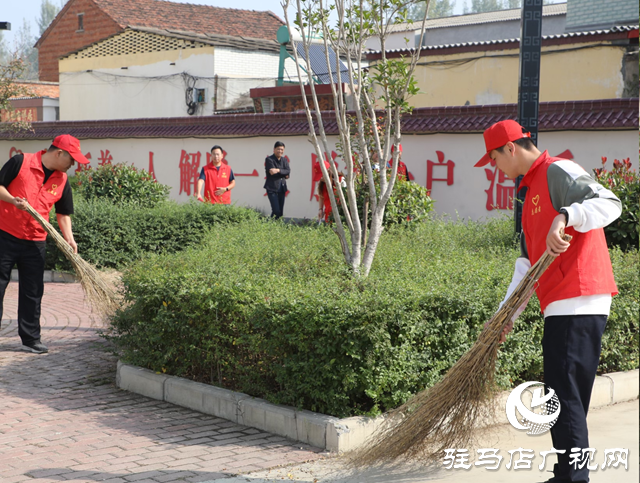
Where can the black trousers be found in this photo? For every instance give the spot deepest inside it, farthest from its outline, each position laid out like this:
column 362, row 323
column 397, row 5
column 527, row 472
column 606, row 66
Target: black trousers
column 29, row 258
column 276, row 198
column 571, row 346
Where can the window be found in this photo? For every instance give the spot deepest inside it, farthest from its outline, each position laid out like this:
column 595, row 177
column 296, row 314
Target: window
column 199, row 96
column 80, row 22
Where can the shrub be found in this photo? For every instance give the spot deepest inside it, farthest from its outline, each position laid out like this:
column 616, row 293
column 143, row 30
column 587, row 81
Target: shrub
column 276, row 314
column 121, row 184
column 409, row 202
column 625, row 184
column 112, row 236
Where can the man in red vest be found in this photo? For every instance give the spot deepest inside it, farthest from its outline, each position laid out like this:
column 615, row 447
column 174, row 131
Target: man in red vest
column 217, row 180
column 403, row 172
column 576, row 290
column 39, row 179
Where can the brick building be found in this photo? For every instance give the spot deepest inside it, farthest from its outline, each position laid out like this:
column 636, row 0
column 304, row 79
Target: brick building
column 83, row 22
column 39, row 103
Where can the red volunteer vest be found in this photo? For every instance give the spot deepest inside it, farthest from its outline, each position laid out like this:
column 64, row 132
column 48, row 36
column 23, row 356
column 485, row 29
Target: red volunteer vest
column 217, row 179
column 585, row 268
column 28, row 185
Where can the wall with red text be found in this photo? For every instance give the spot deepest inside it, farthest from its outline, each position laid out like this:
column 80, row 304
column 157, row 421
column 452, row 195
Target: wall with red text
column 441, row 162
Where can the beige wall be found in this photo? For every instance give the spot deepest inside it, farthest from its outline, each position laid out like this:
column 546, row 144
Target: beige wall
column 492, row 77
column 467, row 196
column 98, row 87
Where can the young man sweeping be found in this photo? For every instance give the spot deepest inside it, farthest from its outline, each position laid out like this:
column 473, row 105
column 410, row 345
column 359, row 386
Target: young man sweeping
column 39, row 179
column 575, row 292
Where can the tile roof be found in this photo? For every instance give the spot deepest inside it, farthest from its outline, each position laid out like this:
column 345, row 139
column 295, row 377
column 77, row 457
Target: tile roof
column 478, row 18
column 605, row 114
column 110, row 45
column 627, row 30
column 40, row 89
column 186, row 17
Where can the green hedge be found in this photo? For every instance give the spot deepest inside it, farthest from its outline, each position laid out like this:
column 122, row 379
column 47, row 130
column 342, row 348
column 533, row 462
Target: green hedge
column 113, row 236
column 270, row 310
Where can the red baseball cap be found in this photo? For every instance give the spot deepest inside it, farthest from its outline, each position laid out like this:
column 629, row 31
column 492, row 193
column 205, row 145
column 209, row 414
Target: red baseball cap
column 393, row 148
column 71, row 145
column 500, row 134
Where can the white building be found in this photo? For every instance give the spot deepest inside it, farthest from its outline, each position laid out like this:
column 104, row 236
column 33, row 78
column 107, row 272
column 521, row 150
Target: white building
column 145, row 73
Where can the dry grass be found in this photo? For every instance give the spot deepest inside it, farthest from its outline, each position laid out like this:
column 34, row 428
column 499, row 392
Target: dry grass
column 448, row 414
column 100, row 290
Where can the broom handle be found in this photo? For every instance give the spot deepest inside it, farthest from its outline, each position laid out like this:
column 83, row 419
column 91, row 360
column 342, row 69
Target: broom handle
column 524, row 289
column 48, row 227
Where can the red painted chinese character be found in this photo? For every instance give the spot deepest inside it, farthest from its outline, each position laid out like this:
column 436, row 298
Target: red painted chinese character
column 566, row 154
column 500, row 198
column 105, row 157
column 152, row 171
column 189, row 164
column 13, row 151
column 83, row 167
column 449, row 165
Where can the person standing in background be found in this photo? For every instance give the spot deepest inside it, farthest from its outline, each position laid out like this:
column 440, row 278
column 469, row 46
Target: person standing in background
column 217, row 180
column 277, row 169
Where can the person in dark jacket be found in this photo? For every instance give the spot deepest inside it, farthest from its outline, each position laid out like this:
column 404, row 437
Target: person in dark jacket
column 277, row 168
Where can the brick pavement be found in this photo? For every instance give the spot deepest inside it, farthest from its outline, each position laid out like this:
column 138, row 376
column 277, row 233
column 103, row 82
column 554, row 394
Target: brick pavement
column 63, row 419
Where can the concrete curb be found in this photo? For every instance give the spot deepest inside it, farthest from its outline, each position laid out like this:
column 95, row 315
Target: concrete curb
column 50, row 276
column 318, row 430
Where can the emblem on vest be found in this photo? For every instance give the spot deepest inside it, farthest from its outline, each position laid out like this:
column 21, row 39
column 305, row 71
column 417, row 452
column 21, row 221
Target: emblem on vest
column 53, row 189
column 536, row 209
column 224, row 174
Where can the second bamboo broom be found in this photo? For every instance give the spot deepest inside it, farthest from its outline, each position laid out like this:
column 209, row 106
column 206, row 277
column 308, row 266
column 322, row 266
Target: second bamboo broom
column 100, row 293
column 447, row 414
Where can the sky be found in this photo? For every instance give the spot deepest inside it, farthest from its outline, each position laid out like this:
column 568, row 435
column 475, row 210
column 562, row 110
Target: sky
column 17, row 11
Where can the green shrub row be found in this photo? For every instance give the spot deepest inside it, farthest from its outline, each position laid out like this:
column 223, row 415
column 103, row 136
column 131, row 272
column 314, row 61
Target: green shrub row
column 112, row 236
column 269, row 309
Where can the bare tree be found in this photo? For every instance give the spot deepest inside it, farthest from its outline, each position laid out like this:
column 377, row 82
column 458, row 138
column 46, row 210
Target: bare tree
column 11, row 71
column 24, row 49
column 380, row 91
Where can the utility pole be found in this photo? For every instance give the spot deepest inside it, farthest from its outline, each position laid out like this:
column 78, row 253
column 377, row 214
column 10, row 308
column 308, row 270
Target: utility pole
column 528, row 85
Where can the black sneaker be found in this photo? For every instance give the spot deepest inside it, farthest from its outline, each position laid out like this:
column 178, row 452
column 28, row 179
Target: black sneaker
column 36, row 347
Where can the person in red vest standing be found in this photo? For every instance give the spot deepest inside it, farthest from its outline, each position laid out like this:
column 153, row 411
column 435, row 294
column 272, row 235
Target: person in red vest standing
column 40, row 180
column 403, row 172
column 217, row 180
column 576, row 290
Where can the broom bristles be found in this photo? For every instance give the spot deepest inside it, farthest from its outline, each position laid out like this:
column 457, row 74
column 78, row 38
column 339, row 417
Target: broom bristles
column 100, row 293
column 447, row 414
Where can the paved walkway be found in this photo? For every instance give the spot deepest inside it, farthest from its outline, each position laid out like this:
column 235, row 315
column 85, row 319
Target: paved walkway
column 62, row 418
column 609, row 427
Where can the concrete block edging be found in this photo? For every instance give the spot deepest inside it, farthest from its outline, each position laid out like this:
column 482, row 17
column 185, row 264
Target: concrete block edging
column 316, row 429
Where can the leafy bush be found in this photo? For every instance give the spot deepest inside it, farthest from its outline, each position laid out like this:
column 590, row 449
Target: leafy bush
column 110, row 235
column 408, row 202
column 276, row 314
column 625, row 183
column 121, row 184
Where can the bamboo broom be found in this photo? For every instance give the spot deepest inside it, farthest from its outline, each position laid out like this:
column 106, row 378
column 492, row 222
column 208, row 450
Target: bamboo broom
column 100, row 293
column 447, row 414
